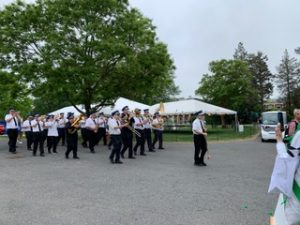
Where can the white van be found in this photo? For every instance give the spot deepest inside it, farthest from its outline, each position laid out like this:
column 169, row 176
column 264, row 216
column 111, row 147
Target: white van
column 269, row 122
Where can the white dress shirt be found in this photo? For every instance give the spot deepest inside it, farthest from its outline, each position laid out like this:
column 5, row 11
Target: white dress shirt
column 138, row 123
column 12, row 124
column 101, row 122
column 157, row 121
column 26, row 126
column 112, row 124
column 197, row 128
column 52, row 128
column 90, row 124
column 35, row 127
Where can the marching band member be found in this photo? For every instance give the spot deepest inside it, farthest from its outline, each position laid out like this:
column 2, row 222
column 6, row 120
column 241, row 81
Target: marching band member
column 72, row 137
column 84, row 133
column 27, row 128
column 12, row 130
column 126, row 133
column 114, row 127
column 147, row 125
column 200, row 143
column 139, row 127
column 92, row 128
column 37, row 129
column 158, row 127
column 52, row 134
column 101, row 128
column 20, row 128
column 61, row 129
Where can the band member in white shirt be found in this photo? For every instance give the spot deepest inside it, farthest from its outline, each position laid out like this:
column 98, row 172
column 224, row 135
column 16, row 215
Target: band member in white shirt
column 200, row 143
column 84, row 133
column 92, row 128
column 114, row 129
column 61, row 129
column 147, row 125
column 158, row 127
column 101, row 122
column 28, row 131
column 139, row 127
column 12, row 130
column 52, row 135
column 37, row 131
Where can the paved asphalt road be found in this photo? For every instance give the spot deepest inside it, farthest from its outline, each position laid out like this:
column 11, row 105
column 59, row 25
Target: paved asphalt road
column 163, row 188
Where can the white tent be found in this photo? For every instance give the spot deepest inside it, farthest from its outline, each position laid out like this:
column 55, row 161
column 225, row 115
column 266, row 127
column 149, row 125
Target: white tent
column 189, row 106
column 119, row 104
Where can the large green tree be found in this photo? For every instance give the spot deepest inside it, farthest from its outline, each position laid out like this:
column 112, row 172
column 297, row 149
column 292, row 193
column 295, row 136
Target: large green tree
column 262, row 77
column 229, row 85
column 86, row 51
column 287, row 79
column 13, row 94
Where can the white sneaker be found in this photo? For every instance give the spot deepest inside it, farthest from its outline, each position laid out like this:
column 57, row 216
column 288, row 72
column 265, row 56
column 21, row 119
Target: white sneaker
column 20, row 142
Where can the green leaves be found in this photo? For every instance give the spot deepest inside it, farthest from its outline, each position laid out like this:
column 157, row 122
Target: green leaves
column 89, row 52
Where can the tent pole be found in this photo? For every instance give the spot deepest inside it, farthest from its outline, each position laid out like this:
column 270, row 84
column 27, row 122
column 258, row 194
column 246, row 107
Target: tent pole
column 236, row 123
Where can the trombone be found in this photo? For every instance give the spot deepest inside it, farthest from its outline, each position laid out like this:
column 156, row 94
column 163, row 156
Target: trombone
column 78, row 120
column 134, row 131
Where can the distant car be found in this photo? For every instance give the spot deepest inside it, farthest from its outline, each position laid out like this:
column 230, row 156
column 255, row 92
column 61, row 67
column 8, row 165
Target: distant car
column 2, row 129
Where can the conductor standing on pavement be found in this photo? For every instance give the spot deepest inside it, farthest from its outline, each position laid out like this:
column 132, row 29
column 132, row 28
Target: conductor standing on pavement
column 200, row 143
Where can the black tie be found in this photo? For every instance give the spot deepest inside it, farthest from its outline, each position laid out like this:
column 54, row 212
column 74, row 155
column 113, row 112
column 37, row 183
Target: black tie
column 15, row 121
column 39, row 126
column 30, row 126
column 203, row 130
column 118, row 123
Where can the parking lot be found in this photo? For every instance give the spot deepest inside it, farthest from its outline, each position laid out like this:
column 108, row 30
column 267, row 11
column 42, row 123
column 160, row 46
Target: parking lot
column 163, row 188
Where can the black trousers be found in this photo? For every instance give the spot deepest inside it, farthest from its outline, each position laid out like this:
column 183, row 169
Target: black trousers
column 101, row 134
column 52, row 143
column 12, row 139
column 61, row 135
column 117, row 144
column 92, row 139
column 127, row 142
column 140, row 142
column 84, row 135
column 158, row 136
column 29, row 138
column 200, row 146
column 72, row 146
column 38, row 142
column 148, row 138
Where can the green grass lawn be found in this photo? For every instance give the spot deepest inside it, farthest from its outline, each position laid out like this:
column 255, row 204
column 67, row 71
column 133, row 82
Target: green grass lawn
column 214, row 134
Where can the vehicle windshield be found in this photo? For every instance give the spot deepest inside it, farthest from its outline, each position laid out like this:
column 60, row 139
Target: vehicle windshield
column 270, row 119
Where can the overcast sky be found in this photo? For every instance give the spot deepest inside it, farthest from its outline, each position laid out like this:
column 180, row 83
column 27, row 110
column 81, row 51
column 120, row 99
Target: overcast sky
column 199, row 31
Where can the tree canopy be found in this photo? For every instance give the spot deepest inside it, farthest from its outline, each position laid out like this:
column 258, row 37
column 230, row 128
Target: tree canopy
column 229, row 85
column 85, row 52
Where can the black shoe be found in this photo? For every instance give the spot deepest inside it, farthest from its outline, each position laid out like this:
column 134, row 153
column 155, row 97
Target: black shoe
column 111, row 161
column 42, row 155
column 75, row 157
column 93, row 151
column 122, row 156
column 118, row 162
column 153, row 147
column 66, row 156
column 29, row 149
column 203, row 164
column 151, row 150
column 134, row 152
column 14, row 152
column 49, row 152
column 131, row 157
column 33, row 154
column 161, row 148
column 143, row 154
column 54, row 151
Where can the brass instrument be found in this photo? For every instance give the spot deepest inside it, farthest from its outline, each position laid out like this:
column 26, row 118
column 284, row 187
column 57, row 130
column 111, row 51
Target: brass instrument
column 78, row 119
column 125, row 120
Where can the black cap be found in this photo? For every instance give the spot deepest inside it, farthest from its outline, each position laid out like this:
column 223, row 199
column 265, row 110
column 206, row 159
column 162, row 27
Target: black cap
column 200, row 113
column 101, row 114
column 12, row 110
column 146, row 110
column 156, row 114
column 125, row 107
column 115, row 112
column 70, row 116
